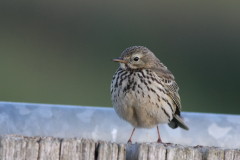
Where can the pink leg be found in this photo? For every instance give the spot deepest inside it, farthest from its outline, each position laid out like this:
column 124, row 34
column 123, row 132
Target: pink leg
column 159, row 138
column 131, row 136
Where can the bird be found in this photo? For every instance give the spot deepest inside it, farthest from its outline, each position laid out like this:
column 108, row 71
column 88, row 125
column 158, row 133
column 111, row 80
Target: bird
column 144, row 92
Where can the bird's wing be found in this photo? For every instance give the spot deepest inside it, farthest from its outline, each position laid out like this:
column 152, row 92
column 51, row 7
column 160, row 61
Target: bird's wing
column 170, row 85
column 171, row 88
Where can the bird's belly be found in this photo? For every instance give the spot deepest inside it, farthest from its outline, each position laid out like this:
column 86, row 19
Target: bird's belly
column 142, row 102
column 142, row 112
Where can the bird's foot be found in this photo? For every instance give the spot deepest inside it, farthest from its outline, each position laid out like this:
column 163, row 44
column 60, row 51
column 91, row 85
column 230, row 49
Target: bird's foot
column 159, row 141
column 129, row 141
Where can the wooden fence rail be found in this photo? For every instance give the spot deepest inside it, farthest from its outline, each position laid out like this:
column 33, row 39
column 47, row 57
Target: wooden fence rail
column 14, row 147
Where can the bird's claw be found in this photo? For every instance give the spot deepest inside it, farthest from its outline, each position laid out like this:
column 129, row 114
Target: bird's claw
column 159, row 141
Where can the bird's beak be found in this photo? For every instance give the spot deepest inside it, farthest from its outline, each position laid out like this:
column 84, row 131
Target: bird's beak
column 119, row 60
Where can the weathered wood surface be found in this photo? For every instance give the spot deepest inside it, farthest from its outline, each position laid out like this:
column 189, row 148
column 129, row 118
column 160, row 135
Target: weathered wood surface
column 13, row 147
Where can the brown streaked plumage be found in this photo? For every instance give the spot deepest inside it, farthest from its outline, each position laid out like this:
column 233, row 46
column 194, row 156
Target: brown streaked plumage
column 144, row 91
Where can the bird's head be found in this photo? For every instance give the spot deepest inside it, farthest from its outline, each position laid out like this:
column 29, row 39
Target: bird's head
column 136, row 57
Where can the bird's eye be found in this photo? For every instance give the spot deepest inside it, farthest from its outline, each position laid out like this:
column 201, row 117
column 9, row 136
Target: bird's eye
column 136, row 59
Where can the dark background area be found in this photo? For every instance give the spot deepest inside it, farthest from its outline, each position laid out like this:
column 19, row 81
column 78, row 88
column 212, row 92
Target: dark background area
column 59, row 52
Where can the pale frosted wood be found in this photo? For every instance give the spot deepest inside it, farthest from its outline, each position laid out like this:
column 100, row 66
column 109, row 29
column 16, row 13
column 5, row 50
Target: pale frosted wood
column 143, row 151
column 232, row 154
column 215, row 154
column 107, row 151
column 77, row 149
column 229, row 154
column 175, row 152
column 71, row 149
column 211, row 153
column 121, row 151
column 193, row 153
column 32, row 148
column 237, row 154
column 156, row 151
column 13, row 147
column 88, row 149
column 114, row 151
column 180, row 152
column 49, row 148
column 18, row 147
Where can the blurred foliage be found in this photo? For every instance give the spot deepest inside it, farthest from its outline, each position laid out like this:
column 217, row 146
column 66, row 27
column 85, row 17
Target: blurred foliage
column 59, row 51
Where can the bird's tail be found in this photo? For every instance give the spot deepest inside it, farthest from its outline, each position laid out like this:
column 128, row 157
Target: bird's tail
column 177, row 121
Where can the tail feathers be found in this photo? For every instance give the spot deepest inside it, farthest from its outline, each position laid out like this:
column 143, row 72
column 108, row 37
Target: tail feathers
column 177, row 121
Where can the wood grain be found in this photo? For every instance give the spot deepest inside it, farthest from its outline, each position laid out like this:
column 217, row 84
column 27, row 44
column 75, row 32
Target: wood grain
column 15, row 147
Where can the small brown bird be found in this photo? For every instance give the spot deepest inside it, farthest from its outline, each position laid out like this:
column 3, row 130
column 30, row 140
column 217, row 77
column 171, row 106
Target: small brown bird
column 144, row 91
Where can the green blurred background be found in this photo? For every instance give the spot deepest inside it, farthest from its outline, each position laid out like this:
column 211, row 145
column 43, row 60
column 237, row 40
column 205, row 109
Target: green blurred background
column 59, row 52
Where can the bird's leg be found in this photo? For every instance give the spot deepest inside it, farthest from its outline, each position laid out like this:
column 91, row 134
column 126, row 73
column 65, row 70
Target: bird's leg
column 159, row 139
column 131, row 136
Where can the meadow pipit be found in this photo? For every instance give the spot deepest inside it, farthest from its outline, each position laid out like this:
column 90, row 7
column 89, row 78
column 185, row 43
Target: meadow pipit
column 144, row 91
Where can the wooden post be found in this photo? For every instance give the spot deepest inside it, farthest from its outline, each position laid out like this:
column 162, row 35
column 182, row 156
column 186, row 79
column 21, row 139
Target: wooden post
column 14, row 147
column 77, row 149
